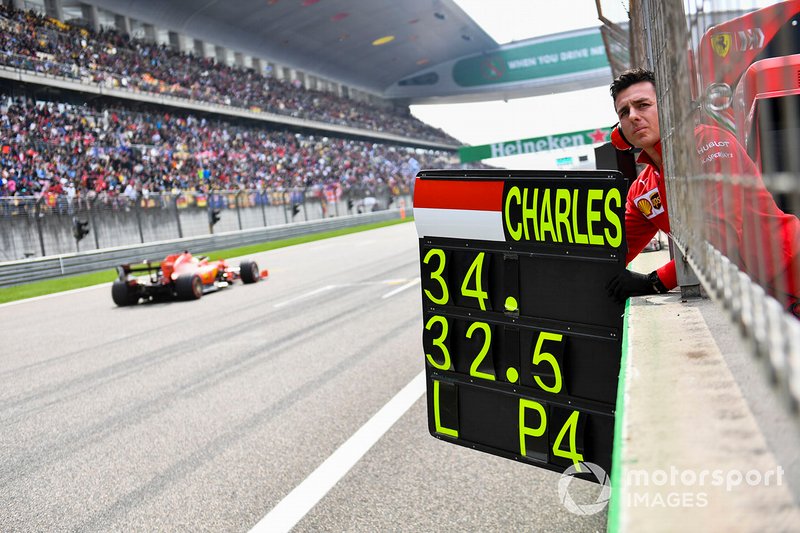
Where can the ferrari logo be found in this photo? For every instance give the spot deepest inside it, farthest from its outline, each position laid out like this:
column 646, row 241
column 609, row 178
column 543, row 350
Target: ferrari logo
column 721, row 43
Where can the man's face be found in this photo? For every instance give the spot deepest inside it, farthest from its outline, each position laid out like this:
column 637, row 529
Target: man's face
column 638, row 114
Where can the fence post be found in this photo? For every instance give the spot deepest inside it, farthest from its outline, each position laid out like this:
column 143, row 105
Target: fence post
column 287, row 204
column 305, row 211
column 137, row 209
column 238, row 208
column 92, row 222
column 263, row 201
column 37, row 213
column 212, row 212
column 177, row 215
column 336, row 201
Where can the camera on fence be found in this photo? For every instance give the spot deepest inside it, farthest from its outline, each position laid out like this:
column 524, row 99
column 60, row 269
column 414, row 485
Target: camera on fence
column 295, row 209
column 80, row 228
column 213, row 216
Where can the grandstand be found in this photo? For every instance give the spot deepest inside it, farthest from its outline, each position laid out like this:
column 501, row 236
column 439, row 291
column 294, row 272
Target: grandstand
column 56, row 148
column 111, row 59
column 172, row 122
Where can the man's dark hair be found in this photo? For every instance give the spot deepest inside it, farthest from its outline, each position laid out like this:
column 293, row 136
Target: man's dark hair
column 630, row 77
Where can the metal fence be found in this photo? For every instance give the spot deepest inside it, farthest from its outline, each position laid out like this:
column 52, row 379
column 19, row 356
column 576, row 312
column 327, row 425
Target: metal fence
column 27, row 270
column 49, row 225
column 727, row 88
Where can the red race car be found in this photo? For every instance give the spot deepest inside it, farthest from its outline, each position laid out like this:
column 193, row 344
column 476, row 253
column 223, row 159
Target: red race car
column 180, row 276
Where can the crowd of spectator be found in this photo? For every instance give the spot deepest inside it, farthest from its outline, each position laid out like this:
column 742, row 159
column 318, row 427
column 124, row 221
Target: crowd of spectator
column 77, row 150
column 31, row 41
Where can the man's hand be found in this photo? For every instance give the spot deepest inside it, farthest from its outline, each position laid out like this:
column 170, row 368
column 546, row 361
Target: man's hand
column 627, row 284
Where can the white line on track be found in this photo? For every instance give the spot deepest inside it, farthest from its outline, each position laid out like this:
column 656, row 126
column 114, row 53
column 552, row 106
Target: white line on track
column 401, row 288
column 311, row 490
column 304, row 295
column 356, row 284
column 364, row 283
column 56, row 294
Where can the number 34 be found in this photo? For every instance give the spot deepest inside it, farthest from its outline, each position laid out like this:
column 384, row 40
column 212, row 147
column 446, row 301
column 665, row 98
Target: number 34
column 471, row 287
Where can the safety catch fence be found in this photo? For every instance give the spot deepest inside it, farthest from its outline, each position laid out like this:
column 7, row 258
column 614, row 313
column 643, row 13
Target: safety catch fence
column 728, row 89
column 49, row 225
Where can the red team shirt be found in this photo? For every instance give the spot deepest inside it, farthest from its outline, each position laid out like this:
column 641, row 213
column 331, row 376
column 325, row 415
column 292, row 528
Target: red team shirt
column 741, row 218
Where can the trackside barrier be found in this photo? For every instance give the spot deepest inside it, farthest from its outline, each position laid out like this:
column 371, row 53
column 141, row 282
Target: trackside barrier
column 16, row 272
column 733, row 163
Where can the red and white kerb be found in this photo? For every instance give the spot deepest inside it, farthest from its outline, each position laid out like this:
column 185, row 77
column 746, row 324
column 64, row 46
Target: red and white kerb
column 459, row 209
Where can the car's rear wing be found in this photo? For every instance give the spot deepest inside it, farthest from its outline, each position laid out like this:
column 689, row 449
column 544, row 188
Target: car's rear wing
column 137, row 269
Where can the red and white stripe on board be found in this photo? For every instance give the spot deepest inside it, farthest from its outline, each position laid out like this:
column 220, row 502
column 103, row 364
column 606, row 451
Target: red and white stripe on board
column 459, row 209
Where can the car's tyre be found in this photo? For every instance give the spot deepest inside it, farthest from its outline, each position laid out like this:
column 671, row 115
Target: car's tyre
column 248, row 270
column 123, row 294
column 189, row 287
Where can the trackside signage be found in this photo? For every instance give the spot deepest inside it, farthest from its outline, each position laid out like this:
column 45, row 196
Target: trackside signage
column 551, row 58
column 566, row 61
column 534, row 144
column 521, row 343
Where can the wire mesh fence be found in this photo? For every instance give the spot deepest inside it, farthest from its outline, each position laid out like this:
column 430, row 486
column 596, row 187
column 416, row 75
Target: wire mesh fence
column 728, row 87
column 47, row 225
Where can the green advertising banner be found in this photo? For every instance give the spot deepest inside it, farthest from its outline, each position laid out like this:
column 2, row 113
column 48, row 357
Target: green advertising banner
column 534, row 144
column 557, row 57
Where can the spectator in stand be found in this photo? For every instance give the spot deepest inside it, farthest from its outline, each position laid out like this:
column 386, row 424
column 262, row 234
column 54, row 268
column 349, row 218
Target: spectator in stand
column 32, row 42
column 95, row 154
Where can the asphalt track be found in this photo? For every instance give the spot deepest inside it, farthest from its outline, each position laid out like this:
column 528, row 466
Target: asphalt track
column 207, row 415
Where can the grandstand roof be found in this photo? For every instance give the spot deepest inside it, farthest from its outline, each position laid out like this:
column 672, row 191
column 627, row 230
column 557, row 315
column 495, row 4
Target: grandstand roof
column 334, row 39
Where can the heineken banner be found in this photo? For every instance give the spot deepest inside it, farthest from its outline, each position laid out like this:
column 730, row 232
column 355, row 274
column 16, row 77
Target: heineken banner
column 534, row 144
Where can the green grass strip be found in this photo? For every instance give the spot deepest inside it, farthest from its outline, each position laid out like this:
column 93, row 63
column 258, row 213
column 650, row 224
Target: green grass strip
column 619, row 420
column 66, row 283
